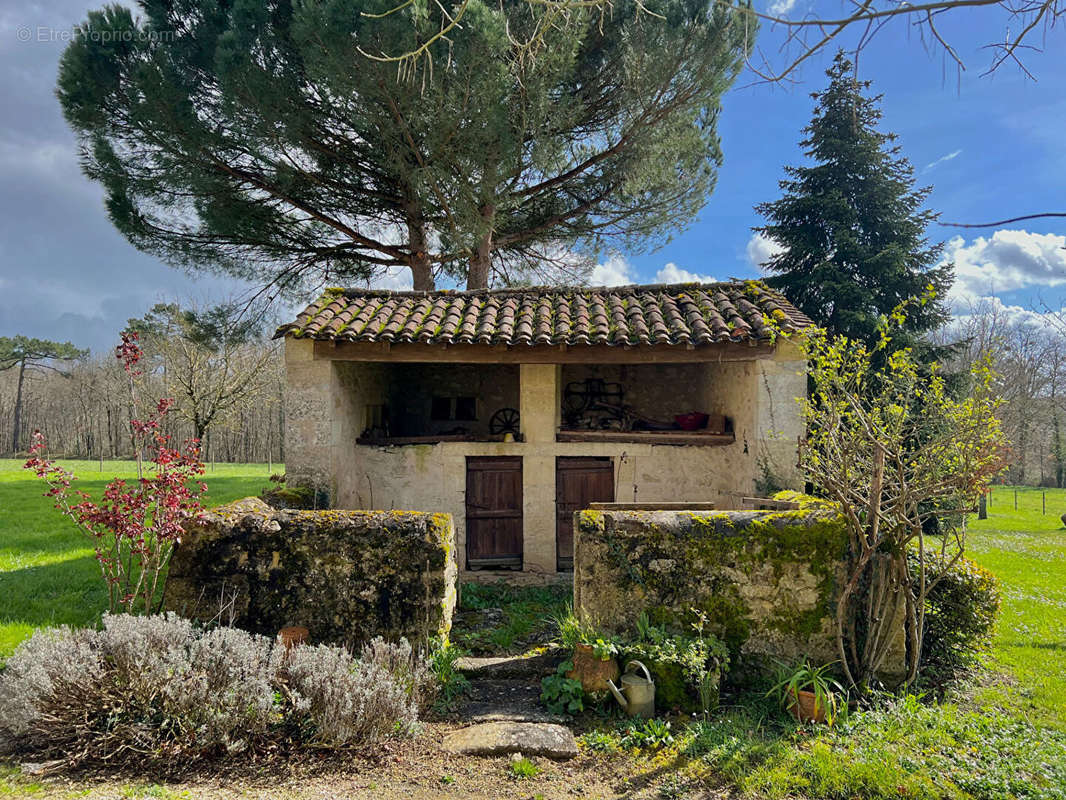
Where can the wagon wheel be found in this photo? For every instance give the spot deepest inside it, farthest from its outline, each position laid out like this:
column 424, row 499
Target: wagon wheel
column 576, row 399
column 504, row 421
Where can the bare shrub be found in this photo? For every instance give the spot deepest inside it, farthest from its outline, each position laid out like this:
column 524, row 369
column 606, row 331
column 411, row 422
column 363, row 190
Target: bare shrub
column 410, row 669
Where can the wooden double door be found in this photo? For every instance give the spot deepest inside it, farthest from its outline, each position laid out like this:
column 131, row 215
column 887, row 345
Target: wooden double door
column 494, row 506
column 578, row 482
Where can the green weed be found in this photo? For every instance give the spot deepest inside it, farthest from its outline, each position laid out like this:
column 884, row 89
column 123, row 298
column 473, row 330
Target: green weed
column 523, row 768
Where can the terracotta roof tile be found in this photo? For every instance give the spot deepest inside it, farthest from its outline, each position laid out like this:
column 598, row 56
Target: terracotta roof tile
column 693, row 314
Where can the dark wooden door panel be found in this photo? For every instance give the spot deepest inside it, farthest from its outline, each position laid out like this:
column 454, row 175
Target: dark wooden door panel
column 493, row 512
column 578, row 482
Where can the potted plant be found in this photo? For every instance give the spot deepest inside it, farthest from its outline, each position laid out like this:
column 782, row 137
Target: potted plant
column 594, row 659
column 808, row 693
column 595, row 664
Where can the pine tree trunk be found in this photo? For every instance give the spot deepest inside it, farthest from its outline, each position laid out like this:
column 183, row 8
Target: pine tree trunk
column 422, row 274
column 481, row 261
column 421, row 269
column 16, row 427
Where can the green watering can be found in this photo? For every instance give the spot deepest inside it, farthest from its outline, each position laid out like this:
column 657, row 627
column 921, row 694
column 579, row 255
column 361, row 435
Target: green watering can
column 637, row 696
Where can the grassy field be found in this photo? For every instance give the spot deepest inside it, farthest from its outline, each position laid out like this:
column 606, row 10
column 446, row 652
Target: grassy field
column 1026, row 549
column 47, row 573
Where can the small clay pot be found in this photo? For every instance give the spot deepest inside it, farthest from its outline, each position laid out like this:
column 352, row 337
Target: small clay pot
column 804, row 706
column 292, row 635
column 591, row 671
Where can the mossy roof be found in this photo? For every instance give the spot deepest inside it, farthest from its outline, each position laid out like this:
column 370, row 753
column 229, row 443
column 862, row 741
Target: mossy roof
column 674, row 314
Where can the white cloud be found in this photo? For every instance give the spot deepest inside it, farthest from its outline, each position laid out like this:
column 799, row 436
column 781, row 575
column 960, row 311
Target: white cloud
column 1007, row 261
column 398, row 279
column 779, row 8
column 615, row 271
column 1001, row 315
column 761, row 249
column 942, row 159
column 672, row 273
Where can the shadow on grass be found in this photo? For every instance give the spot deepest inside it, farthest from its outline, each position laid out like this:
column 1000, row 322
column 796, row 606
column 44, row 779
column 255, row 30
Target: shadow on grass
column 67, row 592
column 1034, row 645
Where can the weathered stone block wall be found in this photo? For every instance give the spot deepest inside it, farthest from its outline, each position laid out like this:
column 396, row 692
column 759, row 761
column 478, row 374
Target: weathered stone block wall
column 346, row 576
column 767, row 581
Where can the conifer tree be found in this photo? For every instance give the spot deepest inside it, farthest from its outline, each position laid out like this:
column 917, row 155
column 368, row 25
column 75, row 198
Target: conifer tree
column 257, row 138
column 30, row 355
column 852, row 226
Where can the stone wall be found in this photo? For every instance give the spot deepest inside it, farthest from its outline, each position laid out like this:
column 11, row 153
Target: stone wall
column 767, row 581
column 346, row 576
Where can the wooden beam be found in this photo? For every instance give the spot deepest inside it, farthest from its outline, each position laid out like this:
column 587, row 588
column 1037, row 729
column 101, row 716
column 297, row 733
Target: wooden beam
column 648, row 437
column 330, row 350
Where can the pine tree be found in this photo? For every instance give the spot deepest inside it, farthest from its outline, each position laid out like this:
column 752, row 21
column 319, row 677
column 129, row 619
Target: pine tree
column 265, row 140
column 852, row 226
column 30, row 355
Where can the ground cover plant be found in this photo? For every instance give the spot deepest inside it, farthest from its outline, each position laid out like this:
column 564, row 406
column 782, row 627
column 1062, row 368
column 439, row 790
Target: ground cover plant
column 48, row 575
column 508, row 619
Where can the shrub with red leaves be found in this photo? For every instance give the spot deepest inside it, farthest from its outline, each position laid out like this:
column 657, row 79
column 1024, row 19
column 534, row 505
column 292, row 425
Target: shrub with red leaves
column 136, row 525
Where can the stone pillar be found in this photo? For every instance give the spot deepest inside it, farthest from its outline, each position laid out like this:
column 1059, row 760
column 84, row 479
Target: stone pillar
column 308, row 416
column 539, row 388
column 780, row 384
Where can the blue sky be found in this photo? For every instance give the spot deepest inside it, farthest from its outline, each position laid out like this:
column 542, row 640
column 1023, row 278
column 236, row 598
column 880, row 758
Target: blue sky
column 992, row 147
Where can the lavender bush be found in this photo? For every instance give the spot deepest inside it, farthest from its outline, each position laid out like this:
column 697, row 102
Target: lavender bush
column 156, row 691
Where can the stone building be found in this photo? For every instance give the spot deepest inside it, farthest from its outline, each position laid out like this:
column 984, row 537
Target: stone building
column 510, row 409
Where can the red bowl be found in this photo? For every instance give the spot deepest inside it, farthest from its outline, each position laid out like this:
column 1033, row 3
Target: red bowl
column 692, row 421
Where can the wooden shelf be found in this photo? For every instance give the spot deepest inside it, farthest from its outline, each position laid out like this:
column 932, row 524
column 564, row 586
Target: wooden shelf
column 395, row 441
column 698, row 438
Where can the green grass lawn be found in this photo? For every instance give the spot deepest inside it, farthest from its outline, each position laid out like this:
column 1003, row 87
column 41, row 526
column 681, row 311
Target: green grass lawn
column 47, row 572
column 1026, row 550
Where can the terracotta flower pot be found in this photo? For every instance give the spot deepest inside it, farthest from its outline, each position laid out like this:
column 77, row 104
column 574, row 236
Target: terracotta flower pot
column 292, row 635
column 804, row 706
column 591, row 671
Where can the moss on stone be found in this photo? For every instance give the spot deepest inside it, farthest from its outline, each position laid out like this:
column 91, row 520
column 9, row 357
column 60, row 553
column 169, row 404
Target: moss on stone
column 345, row 575
column 717, row 563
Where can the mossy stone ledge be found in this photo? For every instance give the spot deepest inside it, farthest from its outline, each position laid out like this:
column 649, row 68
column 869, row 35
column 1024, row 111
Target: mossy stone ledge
column 766, row 582
column 346, row 576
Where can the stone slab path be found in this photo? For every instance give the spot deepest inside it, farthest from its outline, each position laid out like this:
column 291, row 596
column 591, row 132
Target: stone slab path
column 506, row 700
column 527, row 667
column 504, row 711
column 501, row 738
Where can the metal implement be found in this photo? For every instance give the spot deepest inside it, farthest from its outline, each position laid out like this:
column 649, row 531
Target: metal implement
column 637, row 695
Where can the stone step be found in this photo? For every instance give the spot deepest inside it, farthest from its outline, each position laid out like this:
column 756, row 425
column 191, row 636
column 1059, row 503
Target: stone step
column 497, row 667
column 505, row 700
column 501, row 738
